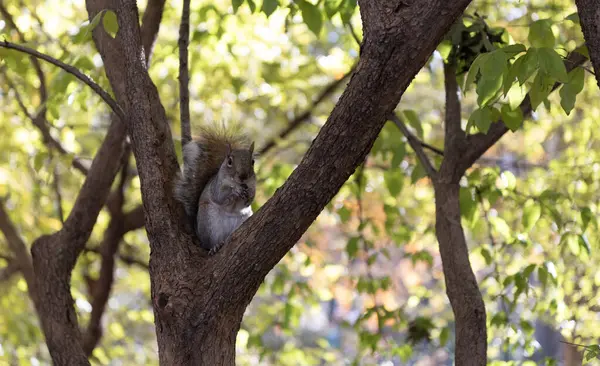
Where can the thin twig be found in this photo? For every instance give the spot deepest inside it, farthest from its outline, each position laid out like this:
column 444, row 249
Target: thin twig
column 127, row 259
column 73, row 71
column 56, row 186
column 415, row 143
column 297, row 122
column 184, row 78
column 354, row 34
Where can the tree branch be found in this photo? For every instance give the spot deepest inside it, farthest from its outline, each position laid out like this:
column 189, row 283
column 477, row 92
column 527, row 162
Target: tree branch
column 127, row 259
column 18, row 248
column 452, row 129
column 7, row 272
column 416, row 145
column 479, row 143
column 150, row 25
column 110, row 245
column 71, row 70
column 301, row 118
column 184, row 78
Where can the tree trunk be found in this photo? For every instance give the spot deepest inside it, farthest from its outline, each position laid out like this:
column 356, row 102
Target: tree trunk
column 461, row 285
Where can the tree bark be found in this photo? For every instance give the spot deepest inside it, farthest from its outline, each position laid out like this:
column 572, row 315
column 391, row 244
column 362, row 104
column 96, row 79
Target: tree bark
column 461, row 285
column 589, row 17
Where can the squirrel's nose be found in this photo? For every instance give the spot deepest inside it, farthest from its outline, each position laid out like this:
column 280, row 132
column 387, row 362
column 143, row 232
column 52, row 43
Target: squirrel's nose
column 243, row 176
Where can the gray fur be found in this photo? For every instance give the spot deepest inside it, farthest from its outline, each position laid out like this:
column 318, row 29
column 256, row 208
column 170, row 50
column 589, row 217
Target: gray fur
column 223, row 204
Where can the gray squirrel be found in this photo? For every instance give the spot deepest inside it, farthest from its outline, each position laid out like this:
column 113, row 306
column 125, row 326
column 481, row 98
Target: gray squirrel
column 218, row 184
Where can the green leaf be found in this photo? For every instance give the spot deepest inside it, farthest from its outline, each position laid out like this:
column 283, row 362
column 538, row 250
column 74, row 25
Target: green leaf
column 584, row 244
column 413, row 119
column 516, row 95
column 352, row 247
column 586, row 217
column 344, row 214
column 481, row 118
column 332, row 7
column 551, row 63
column 251, row 5
column 110, row 23
column 543, row 275
column 540, row 34
column 444, row 335
column 568, row 92
column 487, row 256
column 468, row 204
column 269, row 6
column 513, row 119
column 474, row 70
column 347, row 10
column 540, row 89
column 394, row 180
column 236, row 5
column 528, row 66
column 399, row 153
column 487, row 90
column 531, row 214
column 85, row 32
column 574, row 17
column 528, row 270
column 417, row 173
column 571, row 240
column 501, row 227
column 312, row 16
column 513, row 49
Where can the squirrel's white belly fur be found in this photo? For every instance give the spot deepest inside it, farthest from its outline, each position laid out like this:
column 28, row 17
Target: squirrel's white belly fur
column 223, row 222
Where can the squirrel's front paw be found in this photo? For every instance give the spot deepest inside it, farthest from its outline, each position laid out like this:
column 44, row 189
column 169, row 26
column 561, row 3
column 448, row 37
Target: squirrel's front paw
column 216, row 248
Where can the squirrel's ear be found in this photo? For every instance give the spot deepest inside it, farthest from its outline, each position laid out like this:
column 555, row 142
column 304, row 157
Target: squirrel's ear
column 252, row 148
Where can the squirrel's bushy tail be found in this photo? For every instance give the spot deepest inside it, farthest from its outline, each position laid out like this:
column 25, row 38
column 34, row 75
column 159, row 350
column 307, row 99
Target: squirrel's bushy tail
column 185, row 190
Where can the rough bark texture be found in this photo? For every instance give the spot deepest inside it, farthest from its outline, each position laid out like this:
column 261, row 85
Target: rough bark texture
column 199, row 301
column 589, row 17
column 461, row 284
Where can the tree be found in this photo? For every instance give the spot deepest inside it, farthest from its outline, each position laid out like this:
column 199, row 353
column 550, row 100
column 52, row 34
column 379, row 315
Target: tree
column 199, row 301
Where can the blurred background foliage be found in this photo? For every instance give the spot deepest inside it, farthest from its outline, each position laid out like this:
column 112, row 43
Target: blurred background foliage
column 365, row 284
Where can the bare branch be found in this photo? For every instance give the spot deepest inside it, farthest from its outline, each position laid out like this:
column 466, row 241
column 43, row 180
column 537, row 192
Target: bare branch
column 59, row 200
column 18, row 248
column 479, row 143
column 7, row 272
column 71, row 70
column 127, row 259
column 184, row 78
column 301, row 118
column 416, row 145
column 110, row 245
column 452, row 131
column 150, row 25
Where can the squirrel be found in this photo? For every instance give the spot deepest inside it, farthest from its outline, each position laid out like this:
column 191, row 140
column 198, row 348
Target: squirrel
column 217, row 184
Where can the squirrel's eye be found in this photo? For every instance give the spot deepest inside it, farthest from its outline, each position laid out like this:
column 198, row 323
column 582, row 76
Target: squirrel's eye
column 229, row 161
